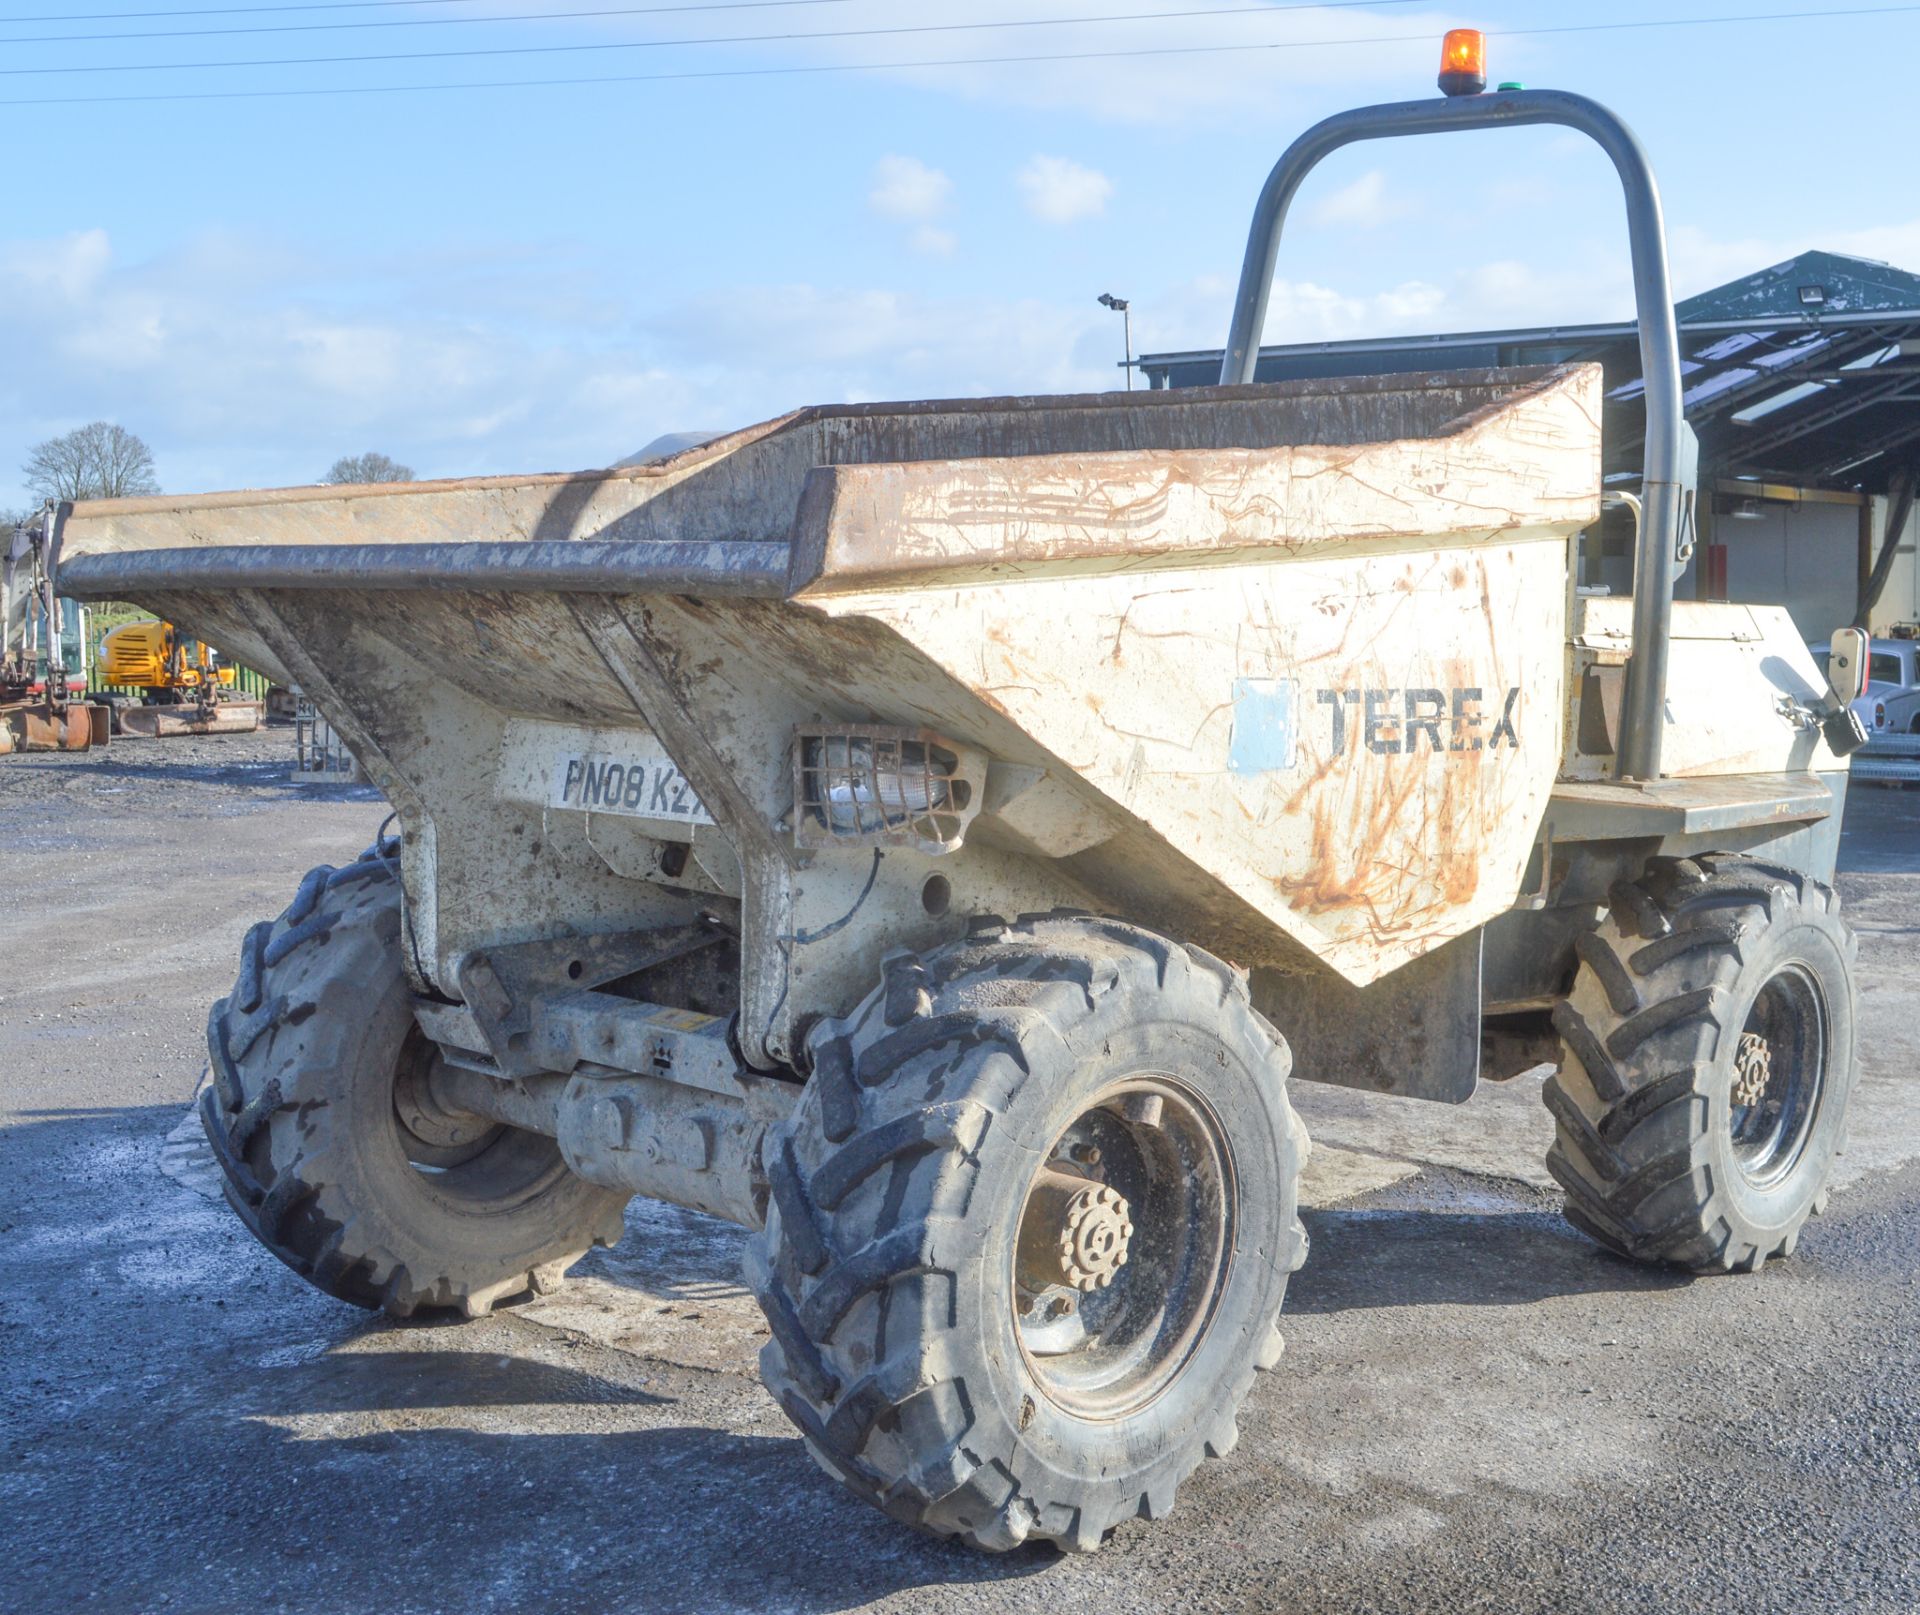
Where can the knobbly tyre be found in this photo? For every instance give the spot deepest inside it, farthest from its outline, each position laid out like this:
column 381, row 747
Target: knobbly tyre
column 931, row 835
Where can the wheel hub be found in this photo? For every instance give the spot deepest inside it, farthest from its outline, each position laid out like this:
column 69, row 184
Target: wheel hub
column 1752, row 1069
column 433, row 1133
column 1122, row 1246
column 1081, row 1229
column 1778, row 1076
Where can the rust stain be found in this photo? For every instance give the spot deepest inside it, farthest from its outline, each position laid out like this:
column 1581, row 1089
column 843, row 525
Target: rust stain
column 1398, row 844
column 1320, row 888
column 1462, row 829
column 1321, row 770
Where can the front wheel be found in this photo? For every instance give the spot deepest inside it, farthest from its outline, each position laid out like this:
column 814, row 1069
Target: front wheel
column 1708, row 1056
column 1031, row 1227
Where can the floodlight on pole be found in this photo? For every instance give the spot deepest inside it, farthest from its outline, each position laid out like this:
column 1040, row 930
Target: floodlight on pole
column 1119, row 306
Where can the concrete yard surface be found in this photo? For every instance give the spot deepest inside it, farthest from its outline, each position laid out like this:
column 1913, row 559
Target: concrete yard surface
column 1477, row 1410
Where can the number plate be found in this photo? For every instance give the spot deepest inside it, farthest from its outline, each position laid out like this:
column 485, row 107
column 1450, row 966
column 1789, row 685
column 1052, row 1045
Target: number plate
column 640, row 781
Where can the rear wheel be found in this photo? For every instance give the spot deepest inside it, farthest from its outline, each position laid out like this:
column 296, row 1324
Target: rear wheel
column 321, row 1111
column 1031, row 1227
column 1708, row 1056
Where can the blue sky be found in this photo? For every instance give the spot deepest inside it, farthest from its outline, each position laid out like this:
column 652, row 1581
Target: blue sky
column 546, row 277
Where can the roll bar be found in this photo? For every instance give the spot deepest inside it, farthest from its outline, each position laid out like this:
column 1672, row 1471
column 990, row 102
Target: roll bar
column 1667, row 478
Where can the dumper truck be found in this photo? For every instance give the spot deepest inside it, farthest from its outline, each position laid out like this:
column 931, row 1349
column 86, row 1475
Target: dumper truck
column 932, row 835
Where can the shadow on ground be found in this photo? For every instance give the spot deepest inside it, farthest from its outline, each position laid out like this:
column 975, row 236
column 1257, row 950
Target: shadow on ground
column 275, row 1435
column 1400, row 1258
column 269, row 777
column 190, row 1426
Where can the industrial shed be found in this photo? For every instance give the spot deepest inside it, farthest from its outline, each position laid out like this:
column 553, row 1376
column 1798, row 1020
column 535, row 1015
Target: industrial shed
column 1803, row 385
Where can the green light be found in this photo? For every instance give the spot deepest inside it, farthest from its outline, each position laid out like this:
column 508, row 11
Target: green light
column 1513, row 84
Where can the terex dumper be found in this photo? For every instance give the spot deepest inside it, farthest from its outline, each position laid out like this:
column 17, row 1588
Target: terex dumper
column 930, row 835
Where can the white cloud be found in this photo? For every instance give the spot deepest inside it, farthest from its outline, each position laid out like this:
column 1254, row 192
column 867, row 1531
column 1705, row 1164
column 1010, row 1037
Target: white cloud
column 1304, row 311
column 248, row 362
column 933, row 242
column 1058, row 190
column 239, row 373
column 906, row 188
column 787, row 345
column 1485, row 297
column 1701, row 262
column 247, row 366
column 1598, row 284
column 1364, row 204
column 52, row 274
column 1196, row 313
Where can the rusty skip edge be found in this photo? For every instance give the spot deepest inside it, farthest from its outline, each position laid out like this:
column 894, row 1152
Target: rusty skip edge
column 833, row 548
column 558, row 495
column 721, row 570
column 886, row 522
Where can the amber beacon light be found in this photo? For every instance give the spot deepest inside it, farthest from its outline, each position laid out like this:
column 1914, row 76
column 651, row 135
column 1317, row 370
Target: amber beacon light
column 1463, row 62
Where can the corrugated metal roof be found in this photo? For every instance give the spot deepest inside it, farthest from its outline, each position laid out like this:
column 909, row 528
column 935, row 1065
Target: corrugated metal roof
column 1846, row 285
column 1805, row 372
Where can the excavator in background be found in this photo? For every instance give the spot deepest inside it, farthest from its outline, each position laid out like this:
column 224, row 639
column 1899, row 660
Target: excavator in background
column 184, row 689
column 43, row 705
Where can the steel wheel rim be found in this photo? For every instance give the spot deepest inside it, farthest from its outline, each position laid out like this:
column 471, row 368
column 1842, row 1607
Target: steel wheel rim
column 1163, row 1156
column 1779, row 1076
column 466, row 1162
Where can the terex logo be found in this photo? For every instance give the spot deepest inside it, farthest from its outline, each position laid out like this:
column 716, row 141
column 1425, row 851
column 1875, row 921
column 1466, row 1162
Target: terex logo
column 1395, row 720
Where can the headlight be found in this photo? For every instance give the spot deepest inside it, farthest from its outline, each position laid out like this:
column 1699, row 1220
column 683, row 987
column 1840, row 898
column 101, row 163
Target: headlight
column 861, row 795
column 877, row 785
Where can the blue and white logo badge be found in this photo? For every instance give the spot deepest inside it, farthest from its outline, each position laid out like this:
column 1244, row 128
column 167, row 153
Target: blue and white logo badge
column 1265, row 735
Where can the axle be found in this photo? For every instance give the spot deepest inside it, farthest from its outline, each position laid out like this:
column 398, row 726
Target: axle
column 646, row 1135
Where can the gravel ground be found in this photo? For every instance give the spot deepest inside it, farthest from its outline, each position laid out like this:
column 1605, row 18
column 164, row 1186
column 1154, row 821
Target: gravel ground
column 1477, row 1410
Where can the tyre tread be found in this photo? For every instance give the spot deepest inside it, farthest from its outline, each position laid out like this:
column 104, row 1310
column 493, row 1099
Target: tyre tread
column 895, row 1118
column 271, row 1177
column 1644, row 1037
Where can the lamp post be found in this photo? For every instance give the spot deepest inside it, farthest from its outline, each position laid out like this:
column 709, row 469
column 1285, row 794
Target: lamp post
column 1119, row 306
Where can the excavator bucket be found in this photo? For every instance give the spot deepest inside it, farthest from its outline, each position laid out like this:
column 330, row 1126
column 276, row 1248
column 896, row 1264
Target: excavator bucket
column 186, row 718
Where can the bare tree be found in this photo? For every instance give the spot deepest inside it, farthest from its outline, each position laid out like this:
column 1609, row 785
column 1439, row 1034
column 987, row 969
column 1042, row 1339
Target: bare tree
column 368, row 467
column 97, row 461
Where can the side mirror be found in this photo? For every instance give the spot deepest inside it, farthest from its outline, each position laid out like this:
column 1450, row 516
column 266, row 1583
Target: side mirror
column 1847, row 664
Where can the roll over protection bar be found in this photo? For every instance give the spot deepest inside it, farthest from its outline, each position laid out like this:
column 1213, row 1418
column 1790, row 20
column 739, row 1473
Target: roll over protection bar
column 1665, row 539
